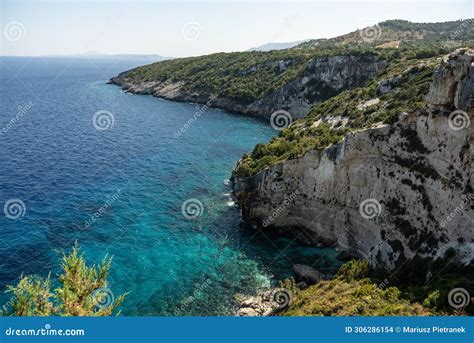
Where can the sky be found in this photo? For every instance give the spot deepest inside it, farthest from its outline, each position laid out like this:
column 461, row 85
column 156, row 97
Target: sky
column 191, row 28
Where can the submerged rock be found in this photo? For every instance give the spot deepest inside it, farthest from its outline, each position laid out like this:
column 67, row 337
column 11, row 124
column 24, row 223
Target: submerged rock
column 307, row 274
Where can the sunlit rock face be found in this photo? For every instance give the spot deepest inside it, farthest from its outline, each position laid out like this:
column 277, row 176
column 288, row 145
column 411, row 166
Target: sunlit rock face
column 386, row 194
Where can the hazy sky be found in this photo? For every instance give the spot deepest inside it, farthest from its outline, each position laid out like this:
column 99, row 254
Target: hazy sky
column 186, row 28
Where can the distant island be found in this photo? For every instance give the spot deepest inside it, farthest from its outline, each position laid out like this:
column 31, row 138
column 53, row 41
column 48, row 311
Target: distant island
column 100, row 55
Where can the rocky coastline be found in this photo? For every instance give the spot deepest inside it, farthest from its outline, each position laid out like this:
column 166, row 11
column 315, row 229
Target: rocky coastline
column 388, row 194
column 393, row 194
column 322, row 78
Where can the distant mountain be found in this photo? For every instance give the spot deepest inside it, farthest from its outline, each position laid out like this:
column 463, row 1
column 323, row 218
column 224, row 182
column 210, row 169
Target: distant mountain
column 277, row 46
column 100, row 55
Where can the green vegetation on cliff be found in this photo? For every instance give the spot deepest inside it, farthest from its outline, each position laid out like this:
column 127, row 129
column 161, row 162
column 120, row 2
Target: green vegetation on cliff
column 458, row 32
column 244, row 76
column 357, row 290
column 82, row 291
column 250, row 75
column 352, row 293
column 410, row 51
column 400, row 88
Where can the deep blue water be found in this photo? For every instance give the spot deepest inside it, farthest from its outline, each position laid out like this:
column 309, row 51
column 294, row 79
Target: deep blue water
column 120, row 191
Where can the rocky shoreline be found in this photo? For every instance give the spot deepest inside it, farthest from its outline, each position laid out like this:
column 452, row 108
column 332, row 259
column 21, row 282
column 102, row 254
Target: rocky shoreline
column 321, row 79
column 276, row 300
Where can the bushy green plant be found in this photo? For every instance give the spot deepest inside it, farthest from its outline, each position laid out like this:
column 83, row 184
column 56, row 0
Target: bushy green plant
column 353, row 293
column 82, row 291
column 357, row 298
column 353, row 270
column 432, row 299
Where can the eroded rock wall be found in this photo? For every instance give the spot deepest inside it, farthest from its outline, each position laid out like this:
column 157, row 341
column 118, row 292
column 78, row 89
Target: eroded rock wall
column 386, row 194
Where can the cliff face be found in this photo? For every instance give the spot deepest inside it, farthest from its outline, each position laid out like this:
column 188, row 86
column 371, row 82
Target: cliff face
column 387, row 193
column 322, row 78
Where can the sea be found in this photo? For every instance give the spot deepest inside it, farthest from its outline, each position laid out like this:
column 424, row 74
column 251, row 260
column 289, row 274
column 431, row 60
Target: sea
column 136, row 178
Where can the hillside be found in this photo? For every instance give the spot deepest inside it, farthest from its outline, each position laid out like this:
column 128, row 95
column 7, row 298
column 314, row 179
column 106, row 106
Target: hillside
column 403, row 32
column 377, row 171
column 296, row 79
column 401, row 87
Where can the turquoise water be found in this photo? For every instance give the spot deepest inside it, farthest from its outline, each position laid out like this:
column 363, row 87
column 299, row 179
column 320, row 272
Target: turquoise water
column 120, row 191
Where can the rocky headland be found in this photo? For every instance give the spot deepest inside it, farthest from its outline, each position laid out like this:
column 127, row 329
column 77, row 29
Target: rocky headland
column 321, row 78
column 386, row 194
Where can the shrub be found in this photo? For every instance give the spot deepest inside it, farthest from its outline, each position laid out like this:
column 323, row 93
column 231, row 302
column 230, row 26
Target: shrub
column 82, row 291
column 351, row 293
column 353, row 270
column 432, row 299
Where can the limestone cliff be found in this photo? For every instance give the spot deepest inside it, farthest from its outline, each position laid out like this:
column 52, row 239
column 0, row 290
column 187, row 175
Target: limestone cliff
column 388, row 193
column 320, row 79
